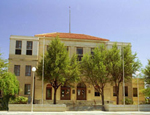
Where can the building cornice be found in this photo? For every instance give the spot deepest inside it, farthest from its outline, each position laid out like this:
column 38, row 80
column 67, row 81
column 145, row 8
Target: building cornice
column 16, row 37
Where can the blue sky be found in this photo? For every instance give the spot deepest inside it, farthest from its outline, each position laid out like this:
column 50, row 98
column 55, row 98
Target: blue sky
column 116, row 20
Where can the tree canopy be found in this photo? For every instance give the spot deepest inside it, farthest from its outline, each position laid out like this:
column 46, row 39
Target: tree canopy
column 3, row 65
column 9, row 84
column 95, row 69
column 146, row 72
column 59, row 69
column 116, row 59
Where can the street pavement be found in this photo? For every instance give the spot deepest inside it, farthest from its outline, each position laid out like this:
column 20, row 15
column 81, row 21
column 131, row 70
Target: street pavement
column 75, row 113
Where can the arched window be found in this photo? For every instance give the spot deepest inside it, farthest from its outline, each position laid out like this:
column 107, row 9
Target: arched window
column 65, row 93
column 81, row 91
column 48, row 92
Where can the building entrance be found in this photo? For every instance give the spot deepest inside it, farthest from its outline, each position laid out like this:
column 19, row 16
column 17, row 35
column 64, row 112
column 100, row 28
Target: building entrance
column 81, row 91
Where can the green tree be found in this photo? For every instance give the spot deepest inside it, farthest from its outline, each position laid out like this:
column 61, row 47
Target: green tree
column 95, row 69
column 59, row 69
column 146, row 73
column 9, row 84
column 3, row 65
column 146, row 92
column 131, row 64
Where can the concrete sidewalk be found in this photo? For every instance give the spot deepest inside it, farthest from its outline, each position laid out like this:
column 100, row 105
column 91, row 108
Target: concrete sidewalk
column 75, row 113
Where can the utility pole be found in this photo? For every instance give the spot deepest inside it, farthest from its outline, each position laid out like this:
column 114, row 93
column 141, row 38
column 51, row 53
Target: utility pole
column 43, row 70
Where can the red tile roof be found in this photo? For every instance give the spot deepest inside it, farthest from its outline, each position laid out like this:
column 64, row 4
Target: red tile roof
column 71, row 35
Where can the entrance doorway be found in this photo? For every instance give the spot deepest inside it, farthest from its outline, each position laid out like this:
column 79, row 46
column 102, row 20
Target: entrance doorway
column 48, row 92
column 81, row 91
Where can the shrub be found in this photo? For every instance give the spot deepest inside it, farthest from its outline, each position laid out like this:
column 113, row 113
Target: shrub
column 19, row 100
column 128, row 101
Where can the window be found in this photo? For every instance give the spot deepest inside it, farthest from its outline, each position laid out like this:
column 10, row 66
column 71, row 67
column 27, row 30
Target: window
column 28, row 70
column 73, row 91
column 48, row 92
column 114, row 91
column 80, row 53
column 96, row 87
column 65, row 93
column 67, row 48
column 27, row 89
column 17, row 70
column 29, row 48
column 92, row 51
column 126, row 90
column 47, row 47
column 97, row 93
column 135, row 92
column 18, row 47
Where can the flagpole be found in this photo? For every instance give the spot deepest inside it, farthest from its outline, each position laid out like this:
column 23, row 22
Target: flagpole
column 69, row 20
column 123, row 76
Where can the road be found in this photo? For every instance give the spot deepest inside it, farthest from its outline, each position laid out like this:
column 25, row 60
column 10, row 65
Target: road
column 75, row 113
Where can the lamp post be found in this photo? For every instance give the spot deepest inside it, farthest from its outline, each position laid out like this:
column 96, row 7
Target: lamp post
column 33, row 70
column 137, row 73
column 123, row 76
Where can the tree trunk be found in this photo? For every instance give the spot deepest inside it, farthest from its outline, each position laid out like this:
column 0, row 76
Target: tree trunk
column 118, row 94
column 102, row 96
column 55, row 90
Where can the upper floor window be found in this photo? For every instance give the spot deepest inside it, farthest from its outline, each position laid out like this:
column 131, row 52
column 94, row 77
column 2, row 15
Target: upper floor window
column 18, row 47
column 17, row 70
column 29, row 48
column 27, row 89
column 28, row 70
column 92, row 51
column 80, row 53
column 67, row 48
column 47, row 47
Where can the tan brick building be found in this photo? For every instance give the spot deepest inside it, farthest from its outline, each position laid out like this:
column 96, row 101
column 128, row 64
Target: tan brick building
column 26, row 51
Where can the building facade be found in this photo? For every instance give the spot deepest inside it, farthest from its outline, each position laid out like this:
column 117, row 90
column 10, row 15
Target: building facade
column 26, row 51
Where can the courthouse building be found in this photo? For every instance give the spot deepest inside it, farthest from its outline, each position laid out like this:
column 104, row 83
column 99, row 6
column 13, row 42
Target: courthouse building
column 26, row 51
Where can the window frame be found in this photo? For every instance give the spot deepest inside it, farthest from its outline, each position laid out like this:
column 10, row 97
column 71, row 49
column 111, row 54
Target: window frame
column 79, row 55
column 28, row 50
column 27, row 91
column 97, row 94
column 114, row 91
column 126, row 91
column 49, row 87
column 135, row 95
column 17, row 70
column 26, row 73
column 18, row 47
column 47, row 47
column 92, row 51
